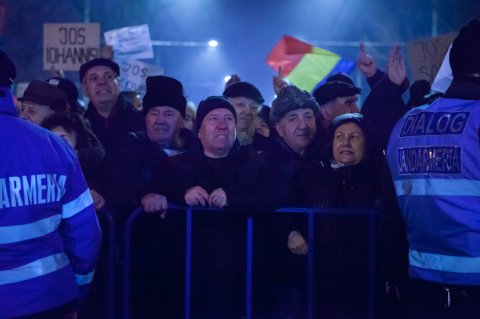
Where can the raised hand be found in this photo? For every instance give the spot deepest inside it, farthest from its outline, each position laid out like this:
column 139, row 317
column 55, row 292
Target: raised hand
column 234, row 78
column 396, row 66
column 366, row 63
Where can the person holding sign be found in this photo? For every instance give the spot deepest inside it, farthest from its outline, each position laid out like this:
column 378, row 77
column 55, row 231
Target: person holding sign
column 109, row 115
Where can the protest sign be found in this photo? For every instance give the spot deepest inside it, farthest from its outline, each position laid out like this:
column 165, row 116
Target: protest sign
column 426, row 56
column 133, row 75
column 66, row 46
column 130, row 43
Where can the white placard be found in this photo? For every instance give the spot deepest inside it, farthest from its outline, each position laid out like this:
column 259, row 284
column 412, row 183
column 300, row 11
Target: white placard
column 130, row 43
column 133, row 75
column 66, row 46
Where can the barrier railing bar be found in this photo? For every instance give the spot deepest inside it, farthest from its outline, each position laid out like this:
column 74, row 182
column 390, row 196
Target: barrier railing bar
column 310, row 264
column 249, row 263
column 371, row 264
column 110, row 264
column 188, row 260
column 126, row 263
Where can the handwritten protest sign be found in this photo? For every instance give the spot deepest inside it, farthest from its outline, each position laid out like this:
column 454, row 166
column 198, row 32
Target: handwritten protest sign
column 426, row 56
column 130, row 42
column 66, row 46
column 133, row 75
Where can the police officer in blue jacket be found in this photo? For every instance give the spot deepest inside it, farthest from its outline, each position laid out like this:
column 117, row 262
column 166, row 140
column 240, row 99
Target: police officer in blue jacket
column 433, row 156
column 49, row 233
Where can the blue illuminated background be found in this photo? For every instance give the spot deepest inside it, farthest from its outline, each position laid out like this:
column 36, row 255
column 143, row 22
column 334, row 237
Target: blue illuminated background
column 246, row 31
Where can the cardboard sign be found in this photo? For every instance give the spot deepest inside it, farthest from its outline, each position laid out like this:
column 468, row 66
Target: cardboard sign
column 66, row 46
column 133, row 75
column 130, row 43
column 426, row 56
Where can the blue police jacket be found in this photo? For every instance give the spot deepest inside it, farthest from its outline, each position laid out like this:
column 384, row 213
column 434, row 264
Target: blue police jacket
column 49, row 233
column 433, row 155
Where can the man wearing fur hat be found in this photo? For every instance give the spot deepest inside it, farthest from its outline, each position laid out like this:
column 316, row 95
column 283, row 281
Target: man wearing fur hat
column 139, row 164
column 297, row 140
column 433, row 158
column 110, row 116
column 133, row 160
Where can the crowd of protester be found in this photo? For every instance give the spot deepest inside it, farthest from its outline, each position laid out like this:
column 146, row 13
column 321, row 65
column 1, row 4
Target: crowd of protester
column 240, row 155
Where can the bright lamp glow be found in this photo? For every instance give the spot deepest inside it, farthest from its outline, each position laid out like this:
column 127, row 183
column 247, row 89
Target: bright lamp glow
column 227, row 78
column 212, row 43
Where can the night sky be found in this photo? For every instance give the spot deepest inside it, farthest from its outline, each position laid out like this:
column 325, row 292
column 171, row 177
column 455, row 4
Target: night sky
column 246, row 31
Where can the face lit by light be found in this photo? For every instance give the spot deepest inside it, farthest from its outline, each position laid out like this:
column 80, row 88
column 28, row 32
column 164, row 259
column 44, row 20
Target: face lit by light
column 297, row 128
column 100, row 85
column 247, row 110
column 339, row 106
column 162, row 124
column 217, row 133
column 348, row 144
column 34, row 112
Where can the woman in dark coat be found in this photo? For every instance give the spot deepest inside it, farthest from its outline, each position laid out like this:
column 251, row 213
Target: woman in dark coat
column 90, row 152
column 352, row 174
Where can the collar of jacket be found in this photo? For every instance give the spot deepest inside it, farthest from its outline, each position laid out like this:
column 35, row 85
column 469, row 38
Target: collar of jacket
column 120, row 106
column 466, row 88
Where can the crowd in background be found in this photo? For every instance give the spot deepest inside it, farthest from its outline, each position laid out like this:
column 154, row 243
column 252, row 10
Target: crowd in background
column 237, row 153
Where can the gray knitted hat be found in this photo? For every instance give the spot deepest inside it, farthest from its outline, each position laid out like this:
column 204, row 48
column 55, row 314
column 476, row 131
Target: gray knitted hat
column 292, row 98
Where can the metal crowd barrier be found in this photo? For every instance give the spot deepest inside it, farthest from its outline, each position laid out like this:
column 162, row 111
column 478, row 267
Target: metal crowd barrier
column 310, row 212
column 108, row 233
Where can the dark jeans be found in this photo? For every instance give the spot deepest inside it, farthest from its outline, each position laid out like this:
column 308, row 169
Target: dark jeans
column 442, row 301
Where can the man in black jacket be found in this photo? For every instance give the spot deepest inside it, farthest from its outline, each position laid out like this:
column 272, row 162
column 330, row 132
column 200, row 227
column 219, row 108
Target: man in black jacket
column 110, row 116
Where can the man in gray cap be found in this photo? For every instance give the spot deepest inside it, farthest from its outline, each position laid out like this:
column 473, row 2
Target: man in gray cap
column 246, row 99
column 109, row 115
column 336, row 97
column 433, row 158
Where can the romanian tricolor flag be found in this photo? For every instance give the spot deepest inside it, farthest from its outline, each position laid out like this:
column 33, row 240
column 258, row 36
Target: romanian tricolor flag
column 304, row 65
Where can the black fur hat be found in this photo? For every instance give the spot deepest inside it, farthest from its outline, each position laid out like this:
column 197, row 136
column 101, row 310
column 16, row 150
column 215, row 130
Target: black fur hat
column 164, row 91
